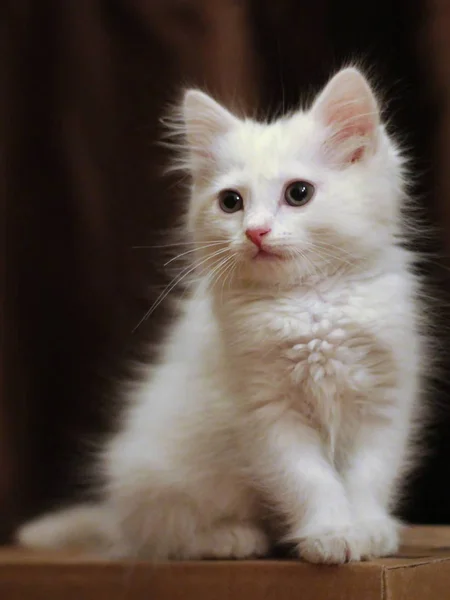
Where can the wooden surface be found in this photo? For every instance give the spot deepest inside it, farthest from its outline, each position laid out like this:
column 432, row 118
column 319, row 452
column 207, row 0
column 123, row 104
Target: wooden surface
column 417, row 542
column 420, row 572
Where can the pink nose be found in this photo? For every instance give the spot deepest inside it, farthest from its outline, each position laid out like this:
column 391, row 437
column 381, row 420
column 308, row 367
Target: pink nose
column 255, row 235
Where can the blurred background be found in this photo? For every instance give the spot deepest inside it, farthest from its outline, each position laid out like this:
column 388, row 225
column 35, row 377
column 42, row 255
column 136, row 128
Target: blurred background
column 83, row 84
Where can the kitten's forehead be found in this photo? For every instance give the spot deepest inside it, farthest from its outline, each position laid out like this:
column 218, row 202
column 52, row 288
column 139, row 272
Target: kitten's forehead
column 267, row 148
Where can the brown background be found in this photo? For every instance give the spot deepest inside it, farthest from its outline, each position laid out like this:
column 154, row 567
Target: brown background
column 82, row 86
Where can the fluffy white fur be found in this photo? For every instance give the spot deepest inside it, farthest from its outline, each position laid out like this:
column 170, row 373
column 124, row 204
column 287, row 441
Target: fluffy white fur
column 289, row 386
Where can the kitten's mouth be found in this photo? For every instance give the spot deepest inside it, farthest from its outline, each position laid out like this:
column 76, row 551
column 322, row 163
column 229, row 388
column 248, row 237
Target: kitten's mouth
column 266, row 255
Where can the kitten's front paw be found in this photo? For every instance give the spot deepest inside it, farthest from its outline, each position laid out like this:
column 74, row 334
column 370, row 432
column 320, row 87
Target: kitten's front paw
column 380, row 536
column 331, row 545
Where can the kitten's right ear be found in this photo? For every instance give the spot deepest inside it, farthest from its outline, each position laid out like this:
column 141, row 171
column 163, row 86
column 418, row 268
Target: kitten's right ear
column 205, row 121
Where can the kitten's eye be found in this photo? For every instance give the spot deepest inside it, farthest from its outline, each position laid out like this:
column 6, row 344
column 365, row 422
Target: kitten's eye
column 230, row 201
column 299, row 193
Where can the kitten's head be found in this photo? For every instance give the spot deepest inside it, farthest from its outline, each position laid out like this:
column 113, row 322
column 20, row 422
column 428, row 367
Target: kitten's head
column 308, row 193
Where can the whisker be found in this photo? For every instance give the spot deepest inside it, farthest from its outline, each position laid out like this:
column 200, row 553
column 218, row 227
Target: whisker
column 312, row 269
column 221, row 274
column 178, row 256
column 321, row 252
column 321, row 249
column 216, row 267
column 215, row 274
column 227, row 275
column 169, row 288
column 326, row 244
column 192, row 243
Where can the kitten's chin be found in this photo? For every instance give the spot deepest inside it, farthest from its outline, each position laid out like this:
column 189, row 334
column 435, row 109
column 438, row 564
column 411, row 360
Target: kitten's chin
column 269, row 268
column 267, row 255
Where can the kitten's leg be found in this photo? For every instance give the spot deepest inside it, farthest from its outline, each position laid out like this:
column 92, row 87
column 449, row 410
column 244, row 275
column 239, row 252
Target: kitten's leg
column 175, row 530
column 167, row 524
column 371, row 479
column 231, row 540
column 294, row 470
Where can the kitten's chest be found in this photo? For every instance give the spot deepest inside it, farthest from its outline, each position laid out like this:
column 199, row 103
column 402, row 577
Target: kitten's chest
column 311, row 352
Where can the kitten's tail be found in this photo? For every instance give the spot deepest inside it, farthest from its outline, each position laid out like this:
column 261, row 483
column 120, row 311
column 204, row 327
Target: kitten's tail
column 84, row 528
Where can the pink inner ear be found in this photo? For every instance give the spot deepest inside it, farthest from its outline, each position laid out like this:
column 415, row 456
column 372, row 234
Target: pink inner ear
column 352, row 117
column 352, row 127
column 357, row 155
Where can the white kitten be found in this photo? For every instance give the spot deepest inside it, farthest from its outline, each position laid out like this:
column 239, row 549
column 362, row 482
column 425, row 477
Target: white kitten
column 291, row 378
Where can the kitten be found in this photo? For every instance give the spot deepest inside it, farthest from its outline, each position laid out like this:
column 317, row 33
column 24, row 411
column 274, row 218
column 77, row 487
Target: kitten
column 291, row 378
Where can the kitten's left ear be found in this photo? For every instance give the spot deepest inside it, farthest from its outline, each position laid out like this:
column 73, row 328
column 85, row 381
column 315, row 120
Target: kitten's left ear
column 349, row 110
column 205, row 121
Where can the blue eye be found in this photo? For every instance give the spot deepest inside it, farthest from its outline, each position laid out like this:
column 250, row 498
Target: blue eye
column 299, row 193
column 230, row 201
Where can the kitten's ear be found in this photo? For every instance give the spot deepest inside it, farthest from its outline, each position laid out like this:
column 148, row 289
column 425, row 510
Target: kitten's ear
column 349, row 110
column 205, row 120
